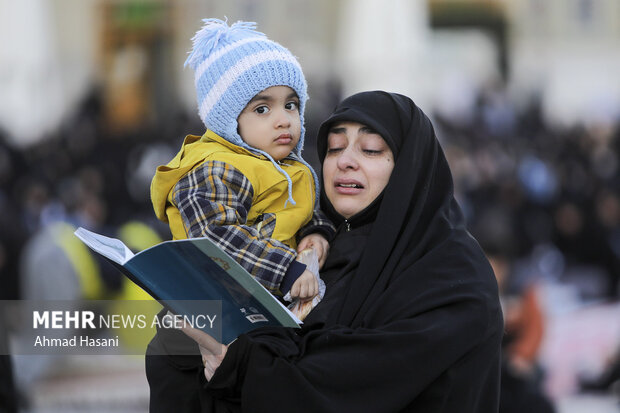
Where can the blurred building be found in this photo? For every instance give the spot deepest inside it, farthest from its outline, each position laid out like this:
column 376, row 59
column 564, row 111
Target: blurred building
column 438, row 51
column 570, row 52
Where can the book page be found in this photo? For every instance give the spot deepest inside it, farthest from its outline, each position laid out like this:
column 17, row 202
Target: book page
column 111, row 248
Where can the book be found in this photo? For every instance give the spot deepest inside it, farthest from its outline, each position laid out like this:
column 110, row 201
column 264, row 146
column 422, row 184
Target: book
column 179, row 273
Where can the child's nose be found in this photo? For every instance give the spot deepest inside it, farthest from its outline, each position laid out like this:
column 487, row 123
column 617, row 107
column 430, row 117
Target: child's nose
column 283, row 119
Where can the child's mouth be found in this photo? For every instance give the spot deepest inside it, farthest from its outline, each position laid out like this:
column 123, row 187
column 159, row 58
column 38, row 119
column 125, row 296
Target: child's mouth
column 284, row 139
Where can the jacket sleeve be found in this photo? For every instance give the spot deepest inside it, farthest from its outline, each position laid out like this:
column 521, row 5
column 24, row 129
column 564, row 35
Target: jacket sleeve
column 318, row 224
column 213, row 200
column 412, row 364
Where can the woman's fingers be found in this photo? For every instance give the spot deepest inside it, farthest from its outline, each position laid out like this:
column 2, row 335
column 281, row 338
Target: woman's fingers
column 212, row 361
column 323, row 254
column 203, row 339
column 304, row 244
column 209, row 370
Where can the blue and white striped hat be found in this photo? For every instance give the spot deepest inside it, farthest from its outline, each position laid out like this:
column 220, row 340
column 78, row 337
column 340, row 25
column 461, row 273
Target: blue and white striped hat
column 233, row 64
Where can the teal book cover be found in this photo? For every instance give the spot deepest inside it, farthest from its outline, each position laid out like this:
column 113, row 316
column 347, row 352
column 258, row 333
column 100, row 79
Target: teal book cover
column 181, row 273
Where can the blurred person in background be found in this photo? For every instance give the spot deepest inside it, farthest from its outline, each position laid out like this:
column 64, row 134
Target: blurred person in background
column 8, row 394
column 56, row 265
column 12, row 237
column 521, row 383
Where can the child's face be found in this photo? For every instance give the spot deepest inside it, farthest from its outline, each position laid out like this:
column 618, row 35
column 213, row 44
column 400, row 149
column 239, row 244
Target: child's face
column 270, row 121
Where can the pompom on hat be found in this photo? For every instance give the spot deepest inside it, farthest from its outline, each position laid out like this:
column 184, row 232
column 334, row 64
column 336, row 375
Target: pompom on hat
column 232, row 64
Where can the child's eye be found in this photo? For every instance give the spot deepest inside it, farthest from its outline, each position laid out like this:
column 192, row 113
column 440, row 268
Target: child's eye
column 261, row 110
column 292, row 106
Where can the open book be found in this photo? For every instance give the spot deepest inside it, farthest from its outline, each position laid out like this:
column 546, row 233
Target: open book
column 196, row 269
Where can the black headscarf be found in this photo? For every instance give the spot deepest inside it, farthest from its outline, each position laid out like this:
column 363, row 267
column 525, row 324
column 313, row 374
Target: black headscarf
column 417, row 325
column 417, row 211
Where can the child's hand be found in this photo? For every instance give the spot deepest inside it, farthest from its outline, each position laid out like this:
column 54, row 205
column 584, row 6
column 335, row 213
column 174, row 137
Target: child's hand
column 316, row 242
column 306, row 287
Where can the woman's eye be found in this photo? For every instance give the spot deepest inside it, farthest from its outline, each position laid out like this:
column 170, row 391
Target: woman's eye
column 369, row 131
column 292, row 106
column 373, row 151
column 261, row 110
column 333, row 150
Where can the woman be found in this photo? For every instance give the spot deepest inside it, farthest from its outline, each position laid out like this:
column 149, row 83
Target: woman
column 411, row 319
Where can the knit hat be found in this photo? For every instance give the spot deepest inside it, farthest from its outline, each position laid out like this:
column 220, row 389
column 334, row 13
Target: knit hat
column 233, row 64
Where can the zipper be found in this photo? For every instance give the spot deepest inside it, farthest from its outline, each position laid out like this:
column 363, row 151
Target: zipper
column 347, row 225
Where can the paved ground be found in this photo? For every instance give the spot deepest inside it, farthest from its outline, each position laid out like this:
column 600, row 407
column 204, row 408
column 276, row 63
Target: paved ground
column 589, row 404
column 117, row 384
column 93, row 385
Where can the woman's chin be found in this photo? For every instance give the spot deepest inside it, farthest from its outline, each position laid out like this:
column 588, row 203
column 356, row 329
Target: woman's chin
column 350, row 207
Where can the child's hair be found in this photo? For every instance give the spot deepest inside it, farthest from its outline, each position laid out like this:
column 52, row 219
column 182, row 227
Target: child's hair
column 233, row 64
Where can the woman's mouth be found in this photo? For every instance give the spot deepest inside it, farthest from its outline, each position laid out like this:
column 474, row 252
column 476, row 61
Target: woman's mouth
column 348, row 187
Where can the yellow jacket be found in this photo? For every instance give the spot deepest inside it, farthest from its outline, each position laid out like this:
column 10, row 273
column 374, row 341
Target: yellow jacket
column 270, row 187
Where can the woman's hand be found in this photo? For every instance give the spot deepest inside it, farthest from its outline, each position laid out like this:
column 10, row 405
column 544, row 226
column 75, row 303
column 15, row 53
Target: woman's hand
column 306, row 287
column 212, row 351
column 318, row 243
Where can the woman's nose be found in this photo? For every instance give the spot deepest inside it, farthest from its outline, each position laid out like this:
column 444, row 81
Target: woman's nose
column 346, row 160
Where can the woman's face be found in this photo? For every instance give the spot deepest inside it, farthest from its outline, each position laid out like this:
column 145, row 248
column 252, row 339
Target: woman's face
column 357, row 167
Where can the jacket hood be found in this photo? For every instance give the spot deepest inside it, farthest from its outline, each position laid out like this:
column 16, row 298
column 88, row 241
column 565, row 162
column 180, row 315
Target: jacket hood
column 191, row 154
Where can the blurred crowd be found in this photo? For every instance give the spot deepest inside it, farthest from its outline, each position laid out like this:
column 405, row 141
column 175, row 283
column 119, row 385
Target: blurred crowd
column 543, row 201
column 84, row 175
column 540, row 194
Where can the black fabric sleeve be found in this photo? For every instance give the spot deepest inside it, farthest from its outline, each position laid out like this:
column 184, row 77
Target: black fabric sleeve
column 363, row 369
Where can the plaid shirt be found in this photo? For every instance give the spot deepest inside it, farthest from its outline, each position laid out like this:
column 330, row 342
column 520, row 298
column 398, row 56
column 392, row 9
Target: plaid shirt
column 214, row 199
